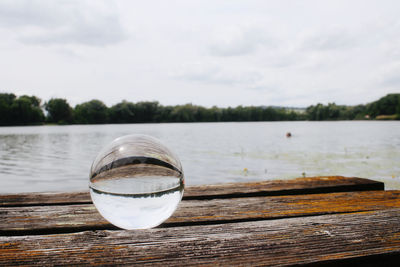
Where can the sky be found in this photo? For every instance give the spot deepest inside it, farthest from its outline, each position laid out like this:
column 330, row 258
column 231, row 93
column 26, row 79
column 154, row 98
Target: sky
column 207, row 52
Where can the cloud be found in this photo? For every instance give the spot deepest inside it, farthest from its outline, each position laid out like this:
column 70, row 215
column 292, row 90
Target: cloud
column 390, row 77
column 92, row 23
column 214, row 74
column 238, row 41
column 247, row 52
column 330, row 39
column 25, row 13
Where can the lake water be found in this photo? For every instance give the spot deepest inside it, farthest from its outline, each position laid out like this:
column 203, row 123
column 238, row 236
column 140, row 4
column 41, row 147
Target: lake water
column 58, row 158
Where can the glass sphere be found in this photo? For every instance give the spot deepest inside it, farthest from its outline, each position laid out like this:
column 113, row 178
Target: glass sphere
column 136, row 182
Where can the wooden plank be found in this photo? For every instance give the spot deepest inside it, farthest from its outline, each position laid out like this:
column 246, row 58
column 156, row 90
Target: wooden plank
column 369, row 237
column 71, row 218
column 308, row 185
column 324, row 184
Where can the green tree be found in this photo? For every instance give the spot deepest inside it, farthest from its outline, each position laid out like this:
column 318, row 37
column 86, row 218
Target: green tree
column 355, row 112
column 122, row 112
column 26, row 110
column 398, row 110
column 6, row 101
column 387, row 105
column 320, row 112
column 146, row 111
column 92, row 112
column 59, row 111
column 164, row 114
column 184, row 113
column 270, row 114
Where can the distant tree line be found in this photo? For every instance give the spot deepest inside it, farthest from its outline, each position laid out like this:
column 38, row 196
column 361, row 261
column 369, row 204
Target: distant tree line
column 28, row 110
column 387, row 107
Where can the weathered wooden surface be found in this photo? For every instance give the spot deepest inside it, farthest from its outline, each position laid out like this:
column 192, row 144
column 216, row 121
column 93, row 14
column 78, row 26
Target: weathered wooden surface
column 323, row 221
column 69, row 218
column 309, row 185
column 359, row 238
column 313, row 185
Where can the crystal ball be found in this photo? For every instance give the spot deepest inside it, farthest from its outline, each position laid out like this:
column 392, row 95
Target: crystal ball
column 136, row 182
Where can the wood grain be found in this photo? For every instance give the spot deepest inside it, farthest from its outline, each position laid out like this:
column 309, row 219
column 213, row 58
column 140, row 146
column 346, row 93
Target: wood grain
column 311, row 185
column 368, row 237
column 70, row 218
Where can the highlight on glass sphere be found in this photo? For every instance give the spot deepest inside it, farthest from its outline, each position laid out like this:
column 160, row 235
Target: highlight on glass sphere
column 136, row 182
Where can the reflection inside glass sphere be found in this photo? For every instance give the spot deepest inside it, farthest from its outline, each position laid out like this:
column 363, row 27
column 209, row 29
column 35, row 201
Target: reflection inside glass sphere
column 136, row 182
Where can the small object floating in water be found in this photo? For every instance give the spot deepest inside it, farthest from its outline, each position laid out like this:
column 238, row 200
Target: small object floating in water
column 288, row 134
column 136, row 182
